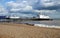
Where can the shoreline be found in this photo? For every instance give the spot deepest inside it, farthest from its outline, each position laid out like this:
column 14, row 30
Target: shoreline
column 12, row 30
column 36, row 25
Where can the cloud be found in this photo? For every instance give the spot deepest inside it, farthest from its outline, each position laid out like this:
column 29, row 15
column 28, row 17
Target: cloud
column 42, row 4
column 47, row 4
column 46, row 7
column 3, row 11
column 23, row 6
column 34, row 4
column 46, row 11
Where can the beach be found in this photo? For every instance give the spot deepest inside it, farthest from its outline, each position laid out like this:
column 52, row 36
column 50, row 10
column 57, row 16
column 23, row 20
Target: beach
column 13, row 30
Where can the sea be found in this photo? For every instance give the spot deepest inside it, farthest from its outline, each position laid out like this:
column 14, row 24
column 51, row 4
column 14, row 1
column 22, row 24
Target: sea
column 50, row 23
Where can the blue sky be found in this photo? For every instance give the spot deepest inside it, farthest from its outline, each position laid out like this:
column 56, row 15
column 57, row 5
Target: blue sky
column 30, row 8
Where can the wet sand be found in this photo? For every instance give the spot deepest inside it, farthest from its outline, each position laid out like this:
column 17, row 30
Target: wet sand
column 12, row 30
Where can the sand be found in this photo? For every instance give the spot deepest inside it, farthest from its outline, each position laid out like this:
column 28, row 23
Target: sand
column 12, row 30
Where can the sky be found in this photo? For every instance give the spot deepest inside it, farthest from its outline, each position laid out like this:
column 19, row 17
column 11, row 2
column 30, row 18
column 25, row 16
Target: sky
column 30, row 8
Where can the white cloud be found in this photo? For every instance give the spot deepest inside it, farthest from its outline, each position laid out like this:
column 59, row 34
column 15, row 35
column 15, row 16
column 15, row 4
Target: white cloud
column 34, row 3
column 45, row 11
column 23, row 6
column 47, row 3
column 12, row 4
column 30, row 2
column 3, row 11
column 50, row 4
column 28, row 5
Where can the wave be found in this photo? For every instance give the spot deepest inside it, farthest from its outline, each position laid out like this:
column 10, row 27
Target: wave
column 48, row 26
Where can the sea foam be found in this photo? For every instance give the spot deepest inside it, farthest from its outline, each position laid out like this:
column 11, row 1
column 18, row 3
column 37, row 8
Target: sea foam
column 48, row 26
